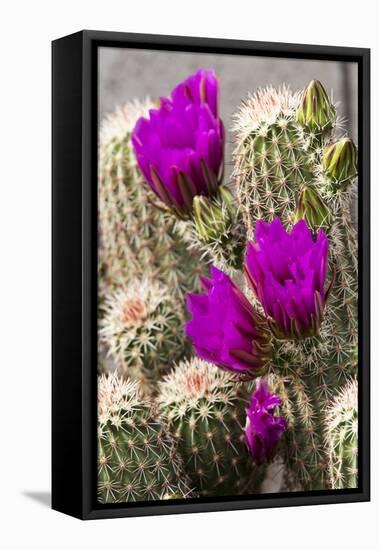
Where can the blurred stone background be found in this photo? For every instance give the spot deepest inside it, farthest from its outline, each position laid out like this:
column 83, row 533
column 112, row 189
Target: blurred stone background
column 125, row 74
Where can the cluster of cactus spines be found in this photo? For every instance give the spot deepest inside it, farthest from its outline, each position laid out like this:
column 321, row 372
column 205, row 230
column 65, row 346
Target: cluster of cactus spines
column 142, row 330
column 137, row 457
column 138, row 236
column 305, row 388
column 205, row 410
column 342, row 438
column 217, row 230
column 287, row 167
column 270, row 163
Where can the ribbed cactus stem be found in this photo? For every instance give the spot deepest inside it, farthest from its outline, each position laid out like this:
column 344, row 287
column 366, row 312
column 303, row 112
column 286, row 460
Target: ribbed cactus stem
column 271, row 165
column 138, row 237
column 306, row 378
column 276, row 160
column 342, row 438
column 218, row 232
column 205, row 410
column 142, row 330
column 137, row 457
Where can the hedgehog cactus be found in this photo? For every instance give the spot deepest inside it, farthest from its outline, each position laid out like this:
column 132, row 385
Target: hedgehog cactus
column 280, row 173
column 290, row 318
column 217, row 232
column 342, row 438
column 137, row 236
column 271, row 164
column 142, row 330
column 288, row 160
column 205, row 410
column 137, row 457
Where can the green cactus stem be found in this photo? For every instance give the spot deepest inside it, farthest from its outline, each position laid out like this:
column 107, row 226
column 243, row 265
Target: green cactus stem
column 137, row 457
column 271, row 165
column 342, row 438
column 218, row 232
column 142, row 330
column 137, row 237
column 205, row 410
column 276, row 161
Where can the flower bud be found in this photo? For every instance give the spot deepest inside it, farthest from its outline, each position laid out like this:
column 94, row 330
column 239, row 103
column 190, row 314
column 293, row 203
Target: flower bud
column 340, row 160
column 312, row 209
column 316, row 111
column 212, row 216
column 263, row 428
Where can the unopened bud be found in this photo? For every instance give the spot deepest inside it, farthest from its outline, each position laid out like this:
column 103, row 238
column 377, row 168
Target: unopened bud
column 316, row 112
column 212, row 216
column 311, row 208
column 340, row 160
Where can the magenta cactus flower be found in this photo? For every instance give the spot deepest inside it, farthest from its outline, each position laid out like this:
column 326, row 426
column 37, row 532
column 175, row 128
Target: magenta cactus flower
column 180, row 148
column 225, row 329
column 263, row 430
column 287, row 273
column 199, row 88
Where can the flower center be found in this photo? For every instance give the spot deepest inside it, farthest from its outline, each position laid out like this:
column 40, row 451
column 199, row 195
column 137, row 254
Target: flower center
column 196, row 382
column 133, row 312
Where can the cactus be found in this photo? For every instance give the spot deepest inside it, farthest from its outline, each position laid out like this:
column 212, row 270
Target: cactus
column 292, row 163
column 205, row 411
column 311, row 207
column 142, row 330
column 137, row 234
column 316, row 111
column 137, row 457
column 271, row 165
column 339, row 161
column 278, row 165
column 342, row 438
column 217, row 231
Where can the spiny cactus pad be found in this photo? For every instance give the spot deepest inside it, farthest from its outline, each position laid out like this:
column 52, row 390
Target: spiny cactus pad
column 205, row 410
column 137, row 457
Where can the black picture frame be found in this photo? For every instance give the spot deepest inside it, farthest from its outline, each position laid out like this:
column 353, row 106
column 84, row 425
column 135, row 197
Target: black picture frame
column 74, row 272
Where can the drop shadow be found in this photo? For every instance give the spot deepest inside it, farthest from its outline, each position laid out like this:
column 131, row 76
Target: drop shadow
column 42, row 497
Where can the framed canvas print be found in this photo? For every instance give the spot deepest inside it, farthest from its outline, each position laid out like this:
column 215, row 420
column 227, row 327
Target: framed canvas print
column 210, row 275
